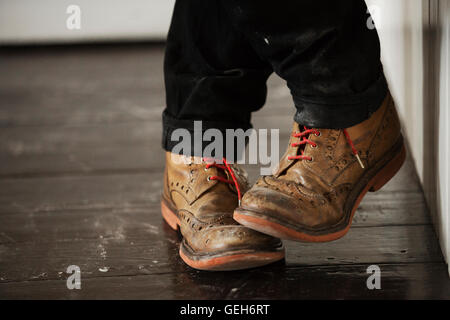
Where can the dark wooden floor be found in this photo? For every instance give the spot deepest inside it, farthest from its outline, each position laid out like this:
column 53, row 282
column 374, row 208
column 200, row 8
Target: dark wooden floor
column 80, row 179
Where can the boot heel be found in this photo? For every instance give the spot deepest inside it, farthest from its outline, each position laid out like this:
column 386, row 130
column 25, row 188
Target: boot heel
column 170, row 217
column 388, row 171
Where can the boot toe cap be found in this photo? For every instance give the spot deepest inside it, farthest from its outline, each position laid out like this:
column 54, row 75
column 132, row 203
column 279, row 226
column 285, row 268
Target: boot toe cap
column 276, row 205
column 235, row 238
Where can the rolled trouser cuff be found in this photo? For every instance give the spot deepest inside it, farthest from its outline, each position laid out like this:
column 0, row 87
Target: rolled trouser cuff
column 340, row 112
column 170, row 124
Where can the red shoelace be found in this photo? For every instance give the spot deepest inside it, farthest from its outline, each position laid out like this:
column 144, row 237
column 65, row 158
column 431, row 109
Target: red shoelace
column 226, row 167
column 304, row 140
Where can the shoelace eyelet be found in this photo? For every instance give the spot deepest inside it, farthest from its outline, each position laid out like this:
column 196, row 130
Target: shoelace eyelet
column 227, row 168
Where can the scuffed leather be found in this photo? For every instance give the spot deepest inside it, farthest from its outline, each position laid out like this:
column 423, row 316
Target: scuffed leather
column 311, row 195
column 205, row 208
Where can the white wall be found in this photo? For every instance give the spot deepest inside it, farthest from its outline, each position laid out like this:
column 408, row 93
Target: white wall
column 414, row 37
column 44, row 21
column 442, row 123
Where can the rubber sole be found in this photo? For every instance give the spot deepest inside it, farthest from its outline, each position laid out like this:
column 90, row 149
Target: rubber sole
column 255, row 221
column 232, row 260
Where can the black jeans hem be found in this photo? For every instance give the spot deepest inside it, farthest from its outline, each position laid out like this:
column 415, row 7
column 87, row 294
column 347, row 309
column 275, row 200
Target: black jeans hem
column 340, row 112
column 170, row 124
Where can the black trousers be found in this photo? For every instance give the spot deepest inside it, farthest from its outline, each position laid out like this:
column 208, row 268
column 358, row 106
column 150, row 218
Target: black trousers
column 220, row 53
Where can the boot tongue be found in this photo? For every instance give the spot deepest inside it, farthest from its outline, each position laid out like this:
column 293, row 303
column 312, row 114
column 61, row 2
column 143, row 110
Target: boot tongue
column 291, row 151
column 215, row 171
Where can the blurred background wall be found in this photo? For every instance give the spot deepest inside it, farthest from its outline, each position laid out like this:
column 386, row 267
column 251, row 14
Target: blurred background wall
column 44, row 21
column 415, row 52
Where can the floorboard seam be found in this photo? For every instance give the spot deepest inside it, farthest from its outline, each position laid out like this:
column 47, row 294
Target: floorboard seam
column 252, row 271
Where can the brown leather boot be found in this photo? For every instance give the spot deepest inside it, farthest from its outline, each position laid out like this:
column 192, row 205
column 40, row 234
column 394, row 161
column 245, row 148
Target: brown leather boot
column 323, row 177
column 200, row 200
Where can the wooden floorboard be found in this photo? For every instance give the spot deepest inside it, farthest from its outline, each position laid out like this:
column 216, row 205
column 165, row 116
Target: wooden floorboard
column 399, row 281
column 131, row 250
column 80, row 181
column 50, row 150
